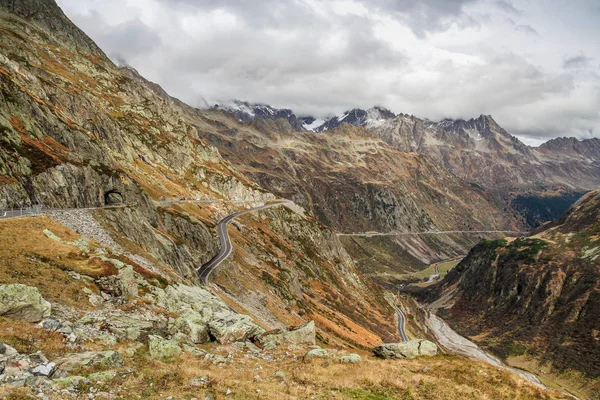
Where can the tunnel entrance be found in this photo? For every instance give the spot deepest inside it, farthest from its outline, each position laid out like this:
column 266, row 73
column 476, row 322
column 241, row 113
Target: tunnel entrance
column 113, row 197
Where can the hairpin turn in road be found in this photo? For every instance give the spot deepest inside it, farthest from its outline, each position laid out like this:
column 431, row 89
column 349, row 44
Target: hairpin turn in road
column 226, row 249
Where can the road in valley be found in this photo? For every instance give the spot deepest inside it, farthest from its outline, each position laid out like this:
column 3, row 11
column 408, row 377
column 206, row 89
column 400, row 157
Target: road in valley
column 458, row 344
column 205, row 270
column 396, row 233
column 402, row 325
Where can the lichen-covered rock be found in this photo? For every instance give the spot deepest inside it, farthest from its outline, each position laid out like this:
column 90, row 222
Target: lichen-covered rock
column 162, row 348
column 228, row 327
column 351, row 359
column 23, row 303
column 74, row 361
column 194, row 327
column 198, row 307
column 217, row 359
column 410, row 349
column 123, row 285
column 70, row 382
column 102, row 376
column 304, row 334
column 316, row 353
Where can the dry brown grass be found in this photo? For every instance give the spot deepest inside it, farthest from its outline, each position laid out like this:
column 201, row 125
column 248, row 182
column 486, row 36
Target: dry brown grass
column 447, row 378
column 28, row 256
column 26, row 338
column 576, row 382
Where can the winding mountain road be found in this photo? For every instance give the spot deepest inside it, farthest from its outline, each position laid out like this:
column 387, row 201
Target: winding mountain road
column 402, row 325
column 396, row 233
column 205, row 270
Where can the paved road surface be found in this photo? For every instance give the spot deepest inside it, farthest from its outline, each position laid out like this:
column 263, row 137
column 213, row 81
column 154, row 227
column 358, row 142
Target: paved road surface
column 205, row 270
column 395, row 233
column 402, row 325
column 452, row 341
column 39, row 210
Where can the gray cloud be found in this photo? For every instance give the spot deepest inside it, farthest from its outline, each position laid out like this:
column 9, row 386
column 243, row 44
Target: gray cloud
column 424, row 16
column 433, row 58
column 579, row 61
column 526, row 29
column 508, row 7
column 127, row 40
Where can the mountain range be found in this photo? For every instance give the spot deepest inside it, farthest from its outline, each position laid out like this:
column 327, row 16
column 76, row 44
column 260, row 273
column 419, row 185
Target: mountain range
column 478, row 149
column 100, row 289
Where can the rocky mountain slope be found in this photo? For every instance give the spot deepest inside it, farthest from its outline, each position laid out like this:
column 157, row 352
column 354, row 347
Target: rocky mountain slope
column 79, row 321
column 536, row 300
column 354, row 182
column 79, row 132
column 482, row 153
column 99, row 297
column 371, row 170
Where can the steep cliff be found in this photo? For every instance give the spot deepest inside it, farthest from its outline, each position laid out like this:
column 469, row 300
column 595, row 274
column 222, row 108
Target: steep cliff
column 535, row 298
column 79, row 132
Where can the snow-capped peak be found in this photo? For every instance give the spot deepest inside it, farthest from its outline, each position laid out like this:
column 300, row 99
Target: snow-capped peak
column 246, row 112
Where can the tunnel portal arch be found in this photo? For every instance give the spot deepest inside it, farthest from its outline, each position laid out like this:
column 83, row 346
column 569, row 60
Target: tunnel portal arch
column 113, row 197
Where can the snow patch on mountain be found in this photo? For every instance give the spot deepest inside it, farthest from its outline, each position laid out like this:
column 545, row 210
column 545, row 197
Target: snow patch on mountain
column 314, row 125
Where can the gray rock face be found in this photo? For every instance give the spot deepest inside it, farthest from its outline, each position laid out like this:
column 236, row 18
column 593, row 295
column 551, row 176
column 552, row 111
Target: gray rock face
column 23, row 303
column 123, row 285
column 410, row 349
column 304, row 334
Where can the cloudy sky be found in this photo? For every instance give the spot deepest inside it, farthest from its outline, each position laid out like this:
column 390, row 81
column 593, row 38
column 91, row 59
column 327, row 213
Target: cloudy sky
column 533, row 65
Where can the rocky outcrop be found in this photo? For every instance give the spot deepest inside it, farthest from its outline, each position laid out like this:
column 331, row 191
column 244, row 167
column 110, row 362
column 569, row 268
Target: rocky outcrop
column 49, row 15
column 410, row 349
column 302, row 335
column 23, row 302
column 201, row 312
column 21, row 369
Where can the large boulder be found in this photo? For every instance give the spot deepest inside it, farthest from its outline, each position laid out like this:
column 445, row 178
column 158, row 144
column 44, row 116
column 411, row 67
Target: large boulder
column 410, row 349
column 198, row 307
column 351, row 359
column 304, row 334
column 227, row 326
column 316, row 353
column 23, row 303
column 162, row 348
column 134, row 326
column 194, row 327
